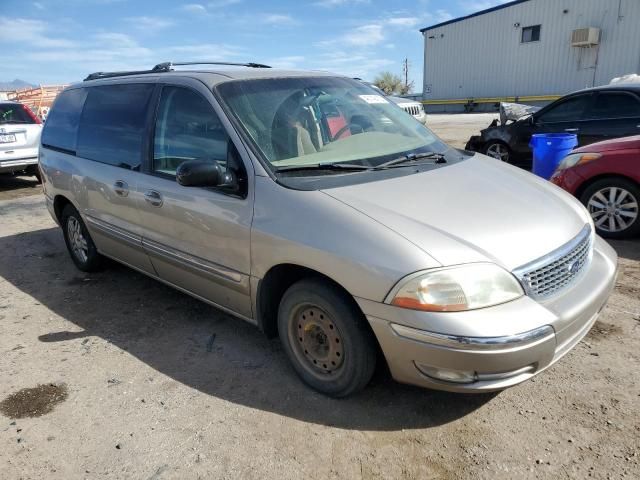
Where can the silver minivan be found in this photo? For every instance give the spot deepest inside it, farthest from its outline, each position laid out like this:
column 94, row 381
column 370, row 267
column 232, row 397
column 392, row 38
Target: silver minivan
column 311, row 206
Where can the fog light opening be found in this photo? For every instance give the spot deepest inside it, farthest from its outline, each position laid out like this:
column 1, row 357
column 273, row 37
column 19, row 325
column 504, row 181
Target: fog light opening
column 447, row 374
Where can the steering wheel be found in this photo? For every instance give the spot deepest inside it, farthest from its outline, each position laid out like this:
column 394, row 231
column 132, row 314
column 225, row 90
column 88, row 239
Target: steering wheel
column 344, row 129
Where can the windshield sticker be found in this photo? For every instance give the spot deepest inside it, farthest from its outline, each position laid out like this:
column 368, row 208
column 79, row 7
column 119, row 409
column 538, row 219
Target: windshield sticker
column 373, row 98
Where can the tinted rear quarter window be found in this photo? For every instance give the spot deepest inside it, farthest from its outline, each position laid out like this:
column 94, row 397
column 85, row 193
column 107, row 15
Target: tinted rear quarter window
column 616, row 105
column 14, row 113
column 113, row 124
column 61, row 129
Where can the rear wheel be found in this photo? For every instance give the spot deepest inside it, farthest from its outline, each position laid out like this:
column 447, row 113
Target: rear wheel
column 79, row 243
column 498, row 150
column 614, row 206
column 326, row 338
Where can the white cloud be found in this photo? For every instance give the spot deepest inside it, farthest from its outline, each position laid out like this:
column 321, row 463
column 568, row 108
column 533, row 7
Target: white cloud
column 223, row 3
column 337, row 3
column 153, row 23
column 472, row 6
column 365, row 35
column 30, row 32
column 279, row 19
column 38, row 5
column 403, row 21
column 194, row 8
column 203, row 52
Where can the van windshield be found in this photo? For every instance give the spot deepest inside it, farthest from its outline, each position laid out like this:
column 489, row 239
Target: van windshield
column 324, row 120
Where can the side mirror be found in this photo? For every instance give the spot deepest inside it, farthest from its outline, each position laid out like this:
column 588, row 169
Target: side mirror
column 532, row 120
column 196, row 173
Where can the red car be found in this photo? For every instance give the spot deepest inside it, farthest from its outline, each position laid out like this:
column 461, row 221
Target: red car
column 605, row 177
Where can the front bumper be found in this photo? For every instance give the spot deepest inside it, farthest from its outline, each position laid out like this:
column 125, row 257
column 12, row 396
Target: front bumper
column 497, row 347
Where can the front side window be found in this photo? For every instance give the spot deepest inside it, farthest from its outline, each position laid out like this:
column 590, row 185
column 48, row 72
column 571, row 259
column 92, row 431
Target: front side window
column 531, row 34
column 113, row 124
column 571, row 110
column 187, row 128
column 61, row 129
column 308, row 121
column 615, row 105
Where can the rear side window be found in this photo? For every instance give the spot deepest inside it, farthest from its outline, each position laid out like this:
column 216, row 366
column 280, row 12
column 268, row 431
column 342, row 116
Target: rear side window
column 616, row 105
column 14, row 113
column 113, row 124
column 61, row 129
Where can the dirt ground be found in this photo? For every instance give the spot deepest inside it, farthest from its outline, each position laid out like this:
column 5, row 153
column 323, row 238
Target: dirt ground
column 113, row 375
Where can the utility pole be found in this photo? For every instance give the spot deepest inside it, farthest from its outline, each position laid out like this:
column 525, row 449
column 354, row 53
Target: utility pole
column 405, row 71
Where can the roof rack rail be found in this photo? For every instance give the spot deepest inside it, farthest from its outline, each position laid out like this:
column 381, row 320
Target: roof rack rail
column 167, row 67
column 180, row 64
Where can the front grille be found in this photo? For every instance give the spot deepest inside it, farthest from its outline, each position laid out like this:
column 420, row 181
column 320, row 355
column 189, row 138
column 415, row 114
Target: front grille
column 557, row 270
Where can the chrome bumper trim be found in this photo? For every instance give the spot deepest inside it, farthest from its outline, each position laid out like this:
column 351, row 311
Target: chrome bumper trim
column 475, row 343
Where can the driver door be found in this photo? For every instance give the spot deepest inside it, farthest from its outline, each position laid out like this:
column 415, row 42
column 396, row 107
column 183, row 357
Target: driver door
column 198, row 238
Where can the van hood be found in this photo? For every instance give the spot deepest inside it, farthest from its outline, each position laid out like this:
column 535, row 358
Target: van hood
column 472, row 211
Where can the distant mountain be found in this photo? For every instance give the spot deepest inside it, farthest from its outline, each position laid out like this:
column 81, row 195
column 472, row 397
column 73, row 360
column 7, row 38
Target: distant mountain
column 14, row 85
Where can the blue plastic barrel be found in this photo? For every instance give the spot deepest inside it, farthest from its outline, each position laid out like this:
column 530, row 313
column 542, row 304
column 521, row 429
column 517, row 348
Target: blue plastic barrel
column 549, row 149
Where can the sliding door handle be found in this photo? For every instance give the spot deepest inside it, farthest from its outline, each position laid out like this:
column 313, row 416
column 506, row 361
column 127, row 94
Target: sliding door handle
column 153, row 198
column 121, row 188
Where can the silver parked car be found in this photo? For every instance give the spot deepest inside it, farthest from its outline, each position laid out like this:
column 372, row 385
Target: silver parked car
column 311, row 206
column 19, row 139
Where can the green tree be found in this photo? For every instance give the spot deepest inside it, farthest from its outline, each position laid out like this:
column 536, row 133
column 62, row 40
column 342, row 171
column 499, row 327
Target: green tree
column 390, row 83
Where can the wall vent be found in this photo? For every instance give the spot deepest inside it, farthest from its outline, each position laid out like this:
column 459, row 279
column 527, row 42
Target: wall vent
column 585, row 37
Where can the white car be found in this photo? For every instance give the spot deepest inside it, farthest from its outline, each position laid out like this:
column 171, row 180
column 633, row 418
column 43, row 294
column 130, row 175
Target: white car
column 413, row 108
column 20, row 133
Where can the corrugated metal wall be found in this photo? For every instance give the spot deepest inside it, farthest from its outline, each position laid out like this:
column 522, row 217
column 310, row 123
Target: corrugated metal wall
column 483, row 57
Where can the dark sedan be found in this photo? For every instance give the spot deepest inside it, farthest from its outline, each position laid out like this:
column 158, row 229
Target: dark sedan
column 595, row 115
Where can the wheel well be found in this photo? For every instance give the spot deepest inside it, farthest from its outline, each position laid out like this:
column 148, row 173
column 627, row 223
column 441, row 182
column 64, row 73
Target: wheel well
column 59, row 202
column 273, row 286
column 581, row 189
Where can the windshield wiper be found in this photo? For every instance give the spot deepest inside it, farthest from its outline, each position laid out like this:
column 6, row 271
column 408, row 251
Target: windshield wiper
column 411, row 158
column 324, row 166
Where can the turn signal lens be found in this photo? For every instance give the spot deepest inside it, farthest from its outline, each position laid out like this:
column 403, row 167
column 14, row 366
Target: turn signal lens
column 456, row 289
column 577, row 159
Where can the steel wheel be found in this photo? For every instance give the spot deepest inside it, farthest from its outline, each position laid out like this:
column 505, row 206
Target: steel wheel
column 77, row 241
column 498, row 151
column 316, row 341
column 613, row 209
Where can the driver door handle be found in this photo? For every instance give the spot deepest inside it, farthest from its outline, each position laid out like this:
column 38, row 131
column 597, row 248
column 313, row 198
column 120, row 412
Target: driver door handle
column 572, row 130
column 154, row 198
column 121, row 188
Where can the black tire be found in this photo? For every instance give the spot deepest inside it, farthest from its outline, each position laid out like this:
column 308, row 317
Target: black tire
column 494, row 145
column 91, row 261
column 348, row 340
column 604, row 185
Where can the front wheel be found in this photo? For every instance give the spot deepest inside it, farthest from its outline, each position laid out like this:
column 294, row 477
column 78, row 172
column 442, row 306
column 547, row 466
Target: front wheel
column 498, row 150
column 79, row 243
column 613, row 204
column 326, row 338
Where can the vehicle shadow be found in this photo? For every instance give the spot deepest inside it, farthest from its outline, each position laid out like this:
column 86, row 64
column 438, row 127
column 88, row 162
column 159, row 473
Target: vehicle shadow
column 11, row 182
column 202, row 347
column 629, row 249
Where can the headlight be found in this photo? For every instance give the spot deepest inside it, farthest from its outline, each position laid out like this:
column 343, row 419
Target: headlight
column 577, row 158
column 455, row 289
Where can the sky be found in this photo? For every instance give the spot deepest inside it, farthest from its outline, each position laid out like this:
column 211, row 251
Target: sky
column 61, row 41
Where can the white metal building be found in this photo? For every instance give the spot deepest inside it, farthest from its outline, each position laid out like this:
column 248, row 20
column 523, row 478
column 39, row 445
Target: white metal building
column 531, row 48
